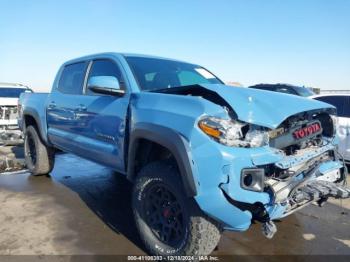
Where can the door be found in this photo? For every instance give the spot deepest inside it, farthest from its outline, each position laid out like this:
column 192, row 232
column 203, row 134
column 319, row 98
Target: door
column 101, row 119
column 62, row 106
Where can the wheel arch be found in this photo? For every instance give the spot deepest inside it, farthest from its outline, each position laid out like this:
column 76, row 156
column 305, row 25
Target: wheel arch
column 167, row 139
column 31, row 118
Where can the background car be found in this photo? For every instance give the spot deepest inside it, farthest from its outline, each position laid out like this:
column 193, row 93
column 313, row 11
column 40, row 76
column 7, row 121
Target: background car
column 9, row 130
column 342, row 103
column 285, row 88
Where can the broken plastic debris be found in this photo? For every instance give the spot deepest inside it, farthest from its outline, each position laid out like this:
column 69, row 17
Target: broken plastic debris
column 257, row 138
column 269, row 229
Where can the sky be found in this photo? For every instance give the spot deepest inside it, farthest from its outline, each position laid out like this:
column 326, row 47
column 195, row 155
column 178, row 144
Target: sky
column 298, row 42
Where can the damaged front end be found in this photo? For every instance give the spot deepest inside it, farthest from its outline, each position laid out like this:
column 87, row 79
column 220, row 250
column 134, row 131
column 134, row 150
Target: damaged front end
column 268, row 154
column 306, row 168
column 314, row 178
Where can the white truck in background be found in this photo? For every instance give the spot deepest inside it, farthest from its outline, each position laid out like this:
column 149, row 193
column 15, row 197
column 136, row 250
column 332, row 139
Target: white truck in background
column 342, row 102
column 9, row 130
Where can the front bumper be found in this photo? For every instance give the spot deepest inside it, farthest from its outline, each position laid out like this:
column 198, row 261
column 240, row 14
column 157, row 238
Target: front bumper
column 236, row 207
column 8, row 122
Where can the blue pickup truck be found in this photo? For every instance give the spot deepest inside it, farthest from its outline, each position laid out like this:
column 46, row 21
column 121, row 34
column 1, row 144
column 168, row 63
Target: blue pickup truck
column 203, row 157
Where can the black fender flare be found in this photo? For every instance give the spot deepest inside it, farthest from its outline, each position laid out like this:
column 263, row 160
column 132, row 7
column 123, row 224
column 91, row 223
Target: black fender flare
column 169, row 139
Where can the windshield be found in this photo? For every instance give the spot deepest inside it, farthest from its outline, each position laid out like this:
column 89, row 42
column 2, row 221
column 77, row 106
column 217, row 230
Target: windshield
column 155, row 73
column 11, row 92
column 303, row 91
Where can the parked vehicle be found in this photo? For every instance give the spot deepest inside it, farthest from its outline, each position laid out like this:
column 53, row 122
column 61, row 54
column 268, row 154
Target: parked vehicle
column 285, row 88
column 342, row 103
column 9, row 94
column 203, row 157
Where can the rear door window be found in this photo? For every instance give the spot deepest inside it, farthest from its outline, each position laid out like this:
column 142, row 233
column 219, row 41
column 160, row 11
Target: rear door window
column 337, row 101
column 72, row 78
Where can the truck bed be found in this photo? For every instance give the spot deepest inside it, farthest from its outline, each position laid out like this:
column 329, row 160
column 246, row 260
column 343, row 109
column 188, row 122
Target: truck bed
column 35, row 103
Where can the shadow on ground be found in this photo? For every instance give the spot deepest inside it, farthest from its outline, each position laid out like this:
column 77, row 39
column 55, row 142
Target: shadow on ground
column 106, row 193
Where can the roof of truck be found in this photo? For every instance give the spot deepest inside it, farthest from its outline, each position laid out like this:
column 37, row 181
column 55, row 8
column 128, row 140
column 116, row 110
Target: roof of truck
column 116, row 54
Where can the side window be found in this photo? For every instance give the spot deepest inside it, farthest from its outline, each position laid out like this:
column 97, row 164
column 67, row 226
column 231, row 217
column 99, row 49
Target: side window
column 72, row 78
column 104, row 67
column 337, row 101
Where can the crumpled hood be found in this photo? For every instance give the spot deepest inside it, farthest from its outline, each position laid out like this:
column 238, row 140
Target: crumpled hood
column 264, row 108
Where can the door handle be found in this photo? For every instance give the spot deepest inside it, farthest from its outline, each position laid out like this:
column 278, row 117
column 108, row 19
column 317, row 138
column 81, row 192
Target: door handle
column 82, row 108
column 52, row 105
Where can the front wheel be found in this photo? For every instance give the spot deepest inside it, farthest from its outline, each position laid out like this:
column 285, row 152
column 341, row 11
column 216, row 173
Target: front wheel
column 169, row 222
column 39, row 158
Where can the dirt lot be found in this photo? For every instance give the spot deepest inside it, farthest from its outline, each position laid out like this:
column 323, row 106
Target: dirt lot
column 84, row 209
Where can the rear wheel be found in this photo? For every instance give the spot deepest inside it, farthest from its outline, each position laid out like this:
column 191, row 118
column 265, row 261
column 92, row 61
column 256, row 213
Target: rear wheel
column 169, row 222
column 39, row 158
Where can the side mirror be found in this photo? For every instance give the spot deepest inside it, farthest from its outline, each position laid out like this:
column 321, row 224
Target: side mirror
column 107, row 85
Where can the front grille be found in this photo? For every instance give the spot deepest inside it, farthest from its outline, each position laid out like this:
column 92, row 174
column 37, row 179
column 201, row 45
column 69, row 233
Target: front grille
column 8, row 112
column 300, row 132
column 304, row 133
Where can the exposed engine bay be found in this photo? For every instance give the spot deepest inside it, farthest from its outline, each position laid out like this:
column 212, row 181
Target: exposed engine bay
column 292, row 185
column 306, row 141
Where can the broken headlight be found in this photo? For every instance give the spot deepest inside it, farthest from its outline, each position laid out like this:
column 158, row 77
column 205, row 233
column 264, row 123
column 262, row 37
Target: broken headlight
column 234, row 133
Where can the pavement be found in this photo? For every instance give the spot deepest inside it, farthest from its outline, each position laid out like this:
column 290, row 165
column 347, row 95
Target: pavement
column 84, row 209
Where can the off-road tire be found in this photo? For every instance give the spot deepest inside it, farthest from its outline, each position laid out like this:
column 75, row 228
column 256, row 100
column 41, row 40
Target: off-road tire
column 202, row 233
column 44, row 156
